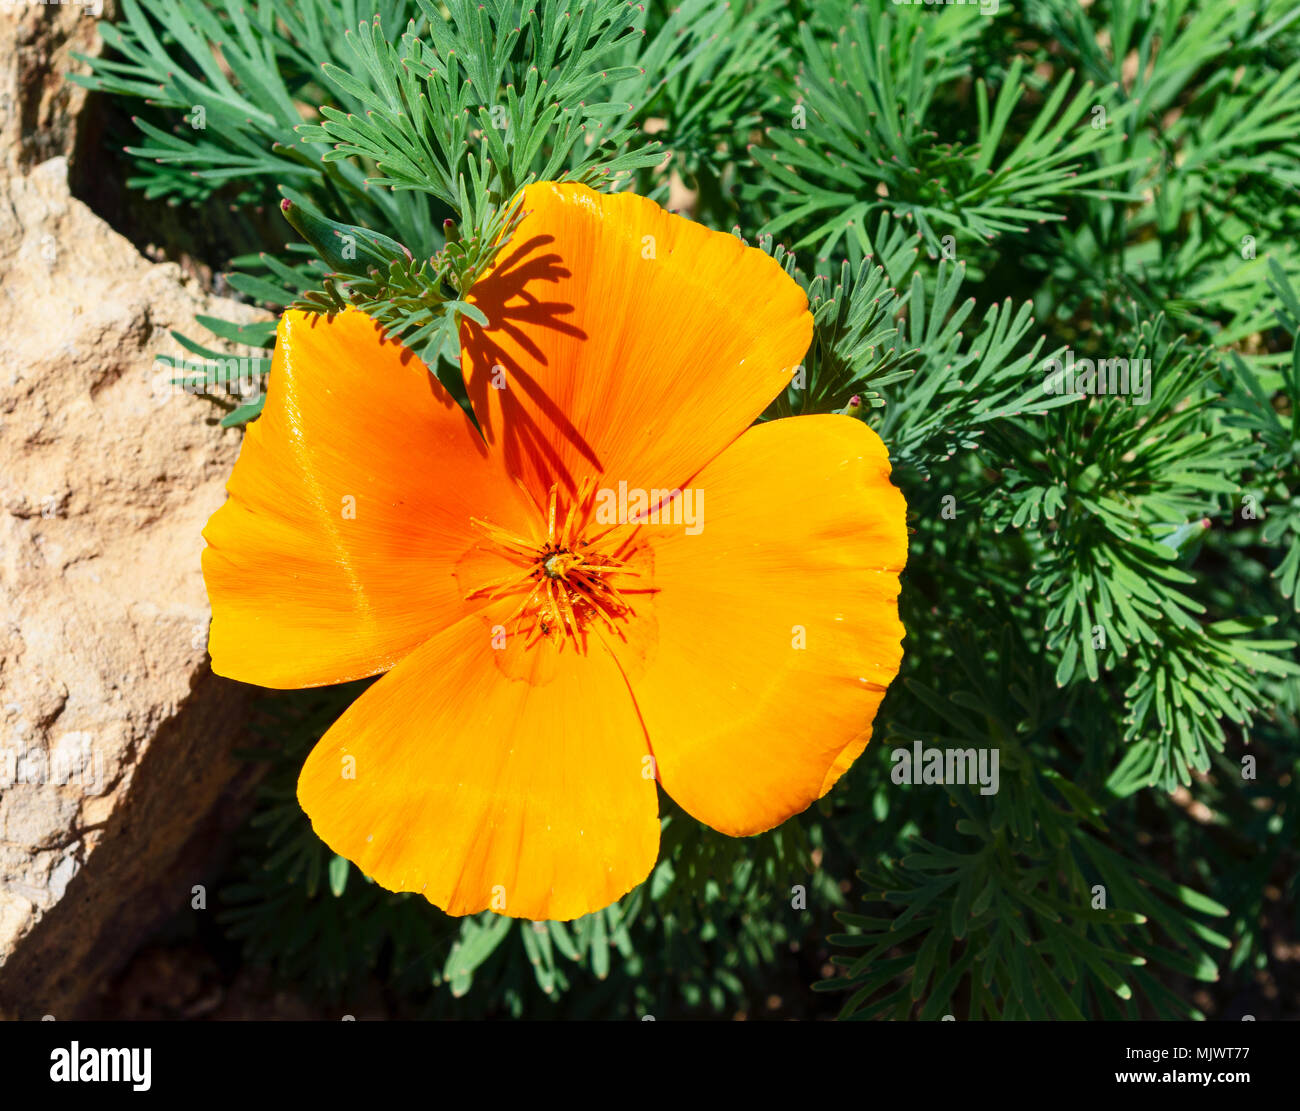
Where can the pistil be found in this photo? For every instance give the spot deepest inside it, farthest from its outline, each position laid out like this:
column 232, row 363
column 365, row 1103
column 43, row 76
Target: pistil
column 564, row 580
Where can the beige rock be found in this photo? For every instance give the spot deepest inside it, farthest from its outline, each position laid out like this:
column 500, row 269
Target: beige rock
column 115, row 737
column 39, row 110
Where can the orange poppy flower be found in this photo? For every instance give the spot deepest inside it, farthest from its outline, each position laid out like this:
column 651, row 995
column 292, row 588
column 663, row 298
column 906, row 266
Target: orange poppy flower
column 614, row 579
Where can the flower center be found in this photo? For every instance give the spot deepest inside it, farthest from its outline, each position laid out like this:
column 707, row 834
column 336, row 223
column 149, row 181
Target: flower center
column 564, row 582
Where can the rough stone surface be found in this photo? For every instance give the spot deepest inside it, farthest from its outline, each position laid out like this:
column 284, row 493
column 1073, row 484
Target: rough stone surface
column 115, row 738
column 39, row 110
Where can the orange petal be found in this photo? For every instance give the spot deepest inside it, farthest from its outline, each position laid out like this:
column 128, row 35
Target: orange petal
column 533, row 797
column 350, row 503
column 778, row 627
column 624, row 340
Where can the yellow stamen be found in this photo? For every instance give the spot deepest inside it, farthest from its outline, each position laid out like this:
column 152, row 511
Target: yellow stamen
column 563, row 580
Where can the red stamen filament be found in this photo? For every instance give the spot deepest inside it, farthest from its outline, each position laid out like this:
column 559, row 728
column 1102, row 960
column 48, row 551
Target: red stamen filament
column 565, row 579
